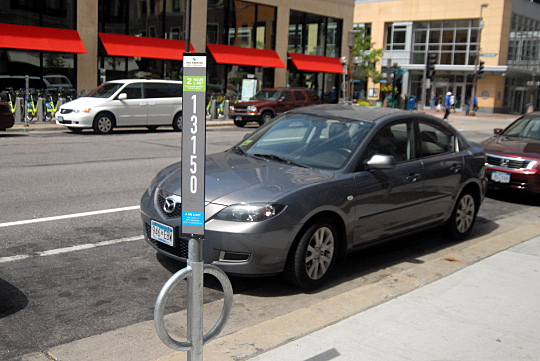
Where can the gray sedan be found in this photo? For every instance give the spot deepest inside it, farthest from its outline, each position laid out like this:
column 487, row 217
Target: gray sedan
column 299, row 193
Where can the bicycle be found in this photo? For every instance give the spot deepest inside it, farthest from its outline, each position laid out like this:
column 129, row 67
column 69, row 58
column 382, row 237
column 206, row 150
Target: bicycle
column 31, row 105
column 51, row 106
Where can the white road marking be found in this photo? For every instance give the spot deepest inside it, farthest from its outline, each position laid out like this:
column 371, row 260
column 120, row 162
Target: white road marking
column 70, row 249
column 75, row 215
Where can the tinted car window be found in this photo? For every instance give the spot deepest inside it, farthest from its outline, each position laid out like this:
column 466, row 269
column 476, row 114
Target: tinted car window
column 395, row 140
column 299, row 95
column 133, row 91
column 435, row 140
column 156, row 90
column 175, row 90
column 286, row 96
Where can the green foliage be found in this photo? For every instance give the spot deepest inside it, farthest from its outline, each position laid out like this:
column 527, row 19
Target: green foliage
column 367, row 57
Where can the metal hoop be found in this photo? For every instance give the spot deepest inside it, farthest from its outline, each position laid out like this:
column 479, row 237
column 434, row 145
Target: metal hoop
column 159, row 309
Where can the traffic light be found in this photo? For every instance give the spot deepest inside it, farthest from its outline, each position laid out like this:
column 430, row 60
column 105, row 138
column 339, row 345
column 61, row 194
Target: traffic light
column 480, row 71
column 430, row 67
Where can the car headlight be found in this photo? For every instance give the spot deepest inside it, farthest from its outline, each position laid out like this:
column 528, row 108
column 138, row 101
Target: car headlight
column 252, row 108
column 87, row 110
column 254, row 212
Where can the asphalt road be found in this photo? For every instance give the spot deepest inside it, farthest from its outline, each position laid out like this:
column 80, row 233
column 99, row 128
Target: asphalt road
column 72, row 259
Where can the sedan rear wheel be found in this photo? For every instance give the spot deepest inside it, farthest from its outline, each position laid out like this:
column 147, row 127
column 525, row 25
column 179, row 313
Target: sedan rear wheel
column 313, row 257
column 462, row 220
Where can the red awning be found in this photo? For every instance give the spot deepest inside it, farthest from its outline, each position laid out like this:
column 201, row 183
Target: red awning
column 143, row 47
column 316, row 63
column 40, row 39
column 237, row 55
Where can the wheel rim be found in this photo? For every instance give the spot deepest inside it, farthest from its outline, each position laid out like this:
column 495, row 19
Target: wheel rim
column 104, row 124
column 465, row 213
column 320, row 252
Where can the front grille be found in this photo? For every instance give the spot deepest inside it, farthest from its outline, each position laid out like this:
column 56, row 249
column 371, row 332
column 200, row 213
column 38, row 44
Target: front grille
column 179, row 250
column 65, row 111
column 177, row 212
column 507, row 162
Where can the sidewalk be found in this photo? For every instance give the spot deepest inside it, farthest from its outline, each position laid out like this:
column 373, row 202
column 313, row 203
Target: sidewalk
column 487, row 311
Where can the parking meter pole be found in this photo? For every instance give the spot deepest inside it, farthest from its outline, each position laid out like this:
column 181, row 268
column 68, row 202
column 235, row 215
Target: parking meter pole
column 195, row 313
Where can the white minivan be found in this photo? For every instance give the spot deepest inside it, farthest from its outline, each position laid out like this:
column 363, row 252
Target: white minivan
column 125, row 103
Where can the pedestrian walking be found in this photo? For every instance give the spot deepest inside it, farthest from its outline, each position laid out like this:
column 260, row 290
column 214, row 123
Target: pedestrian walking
column 432, row 100
column 447, row 105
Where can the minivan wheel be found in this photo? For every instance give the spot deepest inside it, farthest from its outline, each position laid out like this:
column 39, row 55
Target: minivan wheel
column 463, row 216
column 104, row 123
column 266, row 116
column 313, row 256
column 177, row 122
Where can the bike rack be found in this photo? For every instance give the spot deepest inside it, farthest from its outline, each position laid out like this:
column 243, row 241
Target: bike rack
column 194, row 273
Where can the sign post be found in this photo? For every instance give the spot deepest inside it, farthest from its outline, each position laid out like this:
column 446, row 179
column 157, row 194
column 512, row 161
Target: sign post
column 193, row 154
column 193, row 217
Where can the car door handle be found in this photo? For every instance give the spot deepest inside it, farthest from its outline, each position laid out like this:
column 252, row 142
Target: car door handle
column 456, row 168
column 413, row 177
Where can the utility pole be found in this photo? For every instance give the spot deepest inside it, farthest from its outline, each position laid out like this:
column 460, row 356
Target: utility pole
column 477, row 60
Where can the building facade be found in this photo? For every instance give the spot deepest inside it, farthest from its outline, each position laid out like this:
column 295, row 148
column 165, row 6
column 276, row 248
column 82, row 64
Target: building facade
column 502, row 36
column 271, row 43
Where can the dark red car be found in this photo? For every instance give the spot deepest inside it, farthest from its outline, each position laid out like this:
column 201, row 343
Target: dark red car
column 268, row 103
column 513, row 155
column 6, row 116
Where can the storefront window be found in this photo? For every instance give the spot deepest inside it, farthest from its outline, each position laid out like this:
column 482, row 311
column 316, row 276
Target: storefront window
column 46, row 69
column 146, row 18
column 314, row 34
column 454, row 41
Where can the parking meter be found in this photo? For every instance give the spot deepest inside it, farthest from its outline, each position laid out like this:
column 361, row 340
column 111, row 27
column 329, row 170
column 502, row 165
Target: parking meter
column 193, row 218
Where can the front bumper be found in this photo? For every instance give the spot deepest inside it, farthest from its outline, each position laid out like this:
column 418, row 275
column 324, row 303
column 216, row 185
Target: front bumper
column 241, row 248
column 520, row 180
column 75, row 120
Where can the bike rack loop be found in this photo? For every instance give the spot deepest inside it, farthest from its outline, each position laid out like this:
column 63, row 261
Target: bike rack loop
column 159, row 308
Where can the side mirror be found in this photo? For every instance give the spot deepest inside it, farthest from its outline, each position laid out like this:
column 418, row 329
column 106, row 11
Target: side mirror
column 497, row 130
column 122, row 96
column 281, row 98
column 381, row 161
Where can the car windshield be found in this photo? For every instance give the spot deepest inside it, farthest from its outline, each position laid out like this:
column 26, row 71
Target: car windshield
column 524, row 128
column 105, row 90
column 306, row 140
column 266, row 95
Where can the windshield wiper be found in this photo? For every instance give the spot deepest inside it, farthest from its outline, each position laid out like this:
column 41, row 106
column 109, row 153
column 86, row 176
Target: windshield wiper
column 280, row 159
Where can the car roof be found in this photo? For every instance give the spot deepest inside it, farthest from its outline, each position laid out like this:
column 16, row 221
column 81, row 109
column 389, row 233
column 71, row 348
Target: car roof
column 362, row 113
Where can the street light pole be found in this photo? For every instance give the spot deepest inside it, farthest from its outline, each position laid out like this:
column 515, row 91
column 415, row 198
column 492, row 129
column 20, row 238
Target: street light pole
column 477, row 60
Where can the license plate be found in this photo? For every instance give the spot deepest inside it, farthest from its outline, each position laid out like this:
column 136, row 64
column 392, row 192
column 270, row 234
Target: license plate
column 500, row 177
column 238, row 118
column 162, row 233
column 60, row 118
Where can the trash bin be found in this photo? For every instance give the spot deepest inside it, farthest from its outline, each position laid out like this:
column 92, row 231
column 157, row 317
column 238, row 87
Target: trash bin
column 411, row 101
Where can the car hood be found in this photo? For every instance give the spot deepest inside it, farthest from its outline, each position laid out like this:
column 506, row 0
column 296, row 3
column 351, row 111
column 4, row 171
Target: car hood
column 83, row 103
column 524, row 147
column 232, row 178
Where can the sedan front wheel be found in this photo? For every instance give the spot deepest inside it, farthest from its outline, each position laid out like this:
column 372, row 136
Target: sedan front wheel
column 313, row 256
